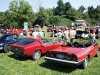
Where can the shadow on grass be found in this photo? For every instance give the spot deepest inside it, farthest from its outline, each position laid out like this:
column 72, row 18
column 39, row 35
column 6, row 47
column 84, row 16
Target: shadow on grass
column 19, row 58
column 58, row 67
column 1, row 51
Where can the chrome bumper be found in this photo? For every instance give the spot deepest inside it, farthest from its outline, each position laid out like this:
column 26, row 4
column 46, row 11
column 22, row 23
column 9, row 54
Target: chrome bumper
column 63, row 61
column 1, row 48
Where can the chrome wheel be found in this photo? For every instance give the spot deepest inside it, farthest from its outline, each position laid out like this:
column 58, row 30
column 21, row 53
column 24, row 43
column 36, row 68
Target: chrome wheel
column 7, row 48
column 36, row 55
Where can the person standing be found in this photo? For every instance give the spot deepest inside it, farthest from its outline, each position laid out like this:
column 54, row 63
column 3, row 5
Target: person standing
column 59, row 35
column 66, row 36
column 72, row 33
column 35, row 33
column 93, row 37
column 40, row 33
column 28, row 33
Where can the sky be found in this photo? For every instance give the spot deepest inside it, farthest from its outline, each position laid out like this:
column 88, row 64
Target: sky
column 4, row 4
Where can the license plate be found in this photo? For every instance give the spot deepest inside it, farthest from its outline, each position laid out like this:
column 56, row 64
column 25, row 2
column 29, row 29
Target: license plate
column 60, row 56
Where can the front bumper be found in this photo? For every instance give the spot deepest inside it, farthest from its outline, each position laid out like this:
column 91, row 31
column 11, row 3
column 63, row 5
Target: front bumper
column 64, row 62
column 1, row 48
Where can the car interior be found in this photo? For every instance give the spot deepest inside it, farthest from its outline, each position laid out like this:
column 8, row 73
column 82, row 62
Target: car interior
column 78, row 45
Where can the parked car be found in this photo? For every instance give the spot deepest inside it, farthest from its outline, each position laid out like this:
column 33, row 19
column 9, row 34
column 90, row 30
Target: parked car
column 76, row 54
column 6, row 40
column 33, row 47
column 81, row 34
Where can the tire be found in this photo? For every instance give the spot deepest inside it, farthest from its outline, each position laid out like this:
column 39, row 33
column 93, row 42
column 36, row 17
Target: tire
column 7, row 48
column 85, row 63
column 36, row 55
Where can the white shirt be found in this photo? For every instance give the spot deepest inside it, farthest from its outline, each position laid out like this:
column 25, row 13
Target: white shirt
column 59, row 34
column 66, row 33
column 35, row 34
column 72, row 33
column 21, row 33
column 41, row 34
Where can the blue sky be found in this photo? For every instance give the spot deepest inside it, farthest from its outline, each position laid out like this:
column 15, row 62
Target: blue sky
column 4, row 4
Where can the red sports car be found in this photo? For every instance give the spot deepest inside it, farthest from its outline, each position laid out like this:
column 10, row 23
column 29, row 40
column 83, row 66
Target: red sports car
column 76, row 54
column 33, row 47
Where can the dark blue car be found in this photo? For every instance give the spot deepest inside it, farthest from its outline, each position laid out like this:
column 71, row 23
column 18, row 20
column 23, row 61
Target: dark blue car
column 7, row 39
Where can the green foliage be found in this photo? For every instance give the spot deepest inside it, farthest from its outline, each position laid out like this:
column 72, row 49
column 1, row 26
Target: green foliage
column 54, row 20
column 60, row 9
column 18, row 13
column 42, row 17
column 21, row 11
column 73, row 14
column 67, row 6
column 81, row 8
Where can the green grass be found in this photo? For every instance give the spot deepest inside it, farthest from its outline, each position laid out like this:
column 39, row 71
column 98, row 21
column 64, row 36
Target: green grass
column 11, row 65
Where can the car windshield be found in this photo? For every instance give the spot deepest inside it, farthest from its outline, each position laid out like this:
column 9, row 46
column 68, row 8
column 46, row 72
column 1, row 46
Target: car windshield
column 25, row 41
column 4, row 37
column 45, row 41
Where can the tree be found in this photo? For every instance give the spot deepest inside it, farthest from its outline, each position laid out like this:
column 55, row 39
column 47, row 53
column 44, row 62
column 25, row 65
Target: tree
column 90, row 11
column 81, row 8
column 97, row 13
column 50, row 12
column 60, row 9
column 57, row 20
column 67, row 6
column 73, row 14
column 20, row 12
column 2, row 17
column 42, row 17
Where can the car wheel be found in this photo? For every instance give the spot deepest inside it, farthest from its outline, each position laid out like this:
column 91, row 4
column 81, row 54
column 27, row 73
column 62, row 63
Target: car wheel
column 85, row 63
column 7, row 48
column 36, row 55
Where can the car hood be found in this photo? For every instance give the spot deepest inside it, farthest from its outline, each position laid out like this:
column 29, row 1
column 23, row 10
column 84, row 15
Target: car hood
column 72, row 50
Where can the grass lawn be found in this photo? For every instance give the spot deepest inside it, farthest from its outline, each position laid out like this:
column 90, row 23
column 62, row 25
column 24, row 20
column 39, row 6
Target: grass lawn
column 11, row 65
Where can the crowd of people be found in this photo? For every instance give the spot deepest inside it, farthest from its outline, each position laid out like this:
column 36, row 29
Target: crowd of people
column 24, row 33
column 66, row 35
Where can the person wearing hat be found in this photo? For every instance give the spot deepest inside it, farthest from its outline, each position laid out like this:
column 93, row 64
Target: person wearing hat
column 59, row 35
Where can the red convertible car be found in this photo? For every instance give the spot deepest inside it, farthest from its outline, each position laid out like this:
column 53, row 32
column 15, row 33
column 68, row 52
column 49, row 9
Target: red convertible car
column 33, row 47
column 76, row 54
